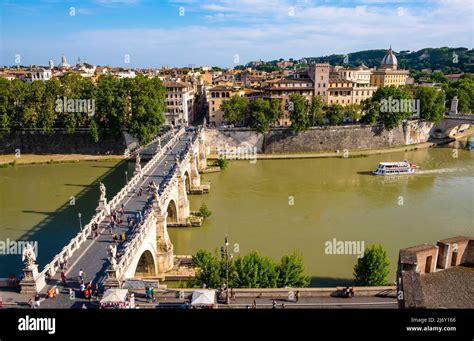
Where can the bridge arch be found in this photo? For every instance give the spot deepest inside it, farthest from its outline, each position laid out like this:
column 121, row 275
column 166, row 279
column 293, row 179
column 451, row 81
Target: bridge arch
column 172, row 211
column 146, row 266
column 187, row 182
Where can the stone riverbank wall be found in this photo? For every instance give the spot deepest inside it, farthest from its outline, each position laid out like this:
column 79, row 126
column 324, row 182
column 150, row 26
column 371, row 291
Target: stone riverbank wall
column 318, row 139
column 60, row 142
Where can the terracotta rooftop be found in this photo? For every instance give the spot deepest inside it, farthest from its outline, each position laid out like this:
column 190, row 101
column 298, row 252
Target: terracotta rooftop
column 221, row 88
column 289, row 80
column 339, row 80
column 450, row 288
column 171, row 84
column 456, row 239
column 408, row 255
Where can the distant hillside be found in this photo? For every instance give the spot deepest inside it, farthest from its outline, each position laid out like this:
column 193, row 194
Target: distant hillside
column 446, row 59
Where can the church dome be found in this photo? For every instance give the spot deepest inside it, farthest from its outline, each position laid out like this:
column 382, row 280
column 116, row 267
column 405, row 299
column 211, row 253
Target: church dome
column 390, row 60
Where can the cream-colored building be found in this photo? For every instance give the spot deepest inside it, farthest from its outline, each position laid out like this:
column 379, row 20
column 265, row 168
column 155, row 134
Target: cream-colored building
column 340, row 91
column 215, row 96
column 388, row 73
column 360, row 76
column 180, row 103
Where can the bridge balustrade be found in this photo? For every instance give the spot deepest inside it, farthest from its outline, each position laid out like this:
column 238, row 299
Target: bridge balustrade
column 77, row 241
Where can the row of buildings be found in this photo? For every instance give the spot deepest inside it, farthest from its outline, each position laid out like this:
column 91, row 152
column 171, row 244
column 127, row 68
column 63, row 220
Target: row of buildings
column 333, row 84
column 193, row 94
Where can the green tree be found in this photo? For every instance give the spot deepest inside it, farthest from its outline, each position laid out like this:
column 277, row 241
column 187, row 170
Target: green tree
column 316, row 111
column 222, row 162
column 439, row 77
column 464, row 90
column 235, row 109
column 335, row 114
column 432, row 106
column 291, row 272
column 255, row 271
column 259, row 111
column 148, row 106
column 388, row 114
column 49, row 115
column 17, row 102
column 108, row 113
column 94, row 131
column 371, row 111
column 353, row 112
column 373, row 268
column 275, row 110
column 208, row 272
column 204, row 211
column 298, row 106
column 5, row 119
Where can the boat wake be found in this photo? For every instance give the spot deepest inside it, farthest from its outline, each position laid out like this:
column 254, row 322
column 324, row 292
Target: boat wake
column 437, row 171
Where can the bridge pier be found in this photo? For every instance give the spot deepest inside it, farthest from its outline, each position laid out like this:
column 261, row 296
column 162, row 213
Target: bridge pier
column 202, row 152
column 183, row 202
column 164, row 247
column 195, row 177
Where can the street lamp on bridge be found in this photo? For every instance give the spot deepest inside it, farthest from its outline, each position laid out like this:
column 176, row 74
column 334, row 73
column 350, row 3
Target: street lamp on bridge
column 227, row 256
column 80, row 221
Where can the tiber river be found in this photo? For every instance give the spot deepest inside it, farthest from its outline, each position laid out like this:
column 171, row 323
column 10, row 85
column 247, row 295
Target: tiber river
column 273, row 206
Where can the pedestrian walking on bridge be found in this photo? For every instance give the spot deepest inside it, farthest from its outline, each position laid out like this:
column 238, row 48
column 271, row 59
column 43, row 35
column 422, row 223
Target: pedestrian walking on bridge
column 81, row 275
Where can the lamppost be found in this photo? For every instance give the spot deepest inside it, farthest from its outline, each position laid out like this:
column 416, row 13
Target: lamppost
column 226, row 255
column 126, row 177
column 80, row 221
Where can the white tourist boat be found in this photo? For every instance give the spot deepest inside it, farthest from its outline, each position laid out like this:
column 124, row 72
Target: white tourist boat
column 395, row 168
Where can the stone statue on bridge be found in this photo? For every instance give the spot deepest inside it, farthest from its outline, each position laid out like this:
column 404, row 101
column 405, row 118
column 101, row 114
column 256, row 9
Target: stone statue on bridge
column 454, row 106
column 29, row 256
column 138, row 166
column 112, row 251
column 158, row 145
column 102, row 200
column 102, row 191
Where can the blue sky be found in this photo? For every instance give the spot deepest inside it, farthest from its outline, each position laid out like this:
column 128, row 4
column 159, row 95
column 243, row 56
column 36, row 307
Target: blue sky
column 223, row 32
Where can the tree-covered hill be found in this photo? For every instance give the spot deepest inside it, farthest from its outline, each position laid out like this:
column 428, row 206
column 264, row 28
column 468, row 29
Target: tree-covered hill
column 446, row 59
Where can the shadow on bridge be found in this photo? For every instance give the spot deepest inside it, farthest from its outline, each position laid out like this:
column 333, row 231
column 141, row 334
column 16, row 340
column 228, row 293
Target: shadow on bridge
column 60, row 226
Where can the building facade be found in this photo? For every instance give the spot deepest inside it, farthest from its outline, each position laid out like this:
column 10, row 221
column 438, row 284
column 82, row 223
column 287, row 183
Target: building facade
column 319, row 74
column 388, row 73
column 215, row 96
column 180, row 103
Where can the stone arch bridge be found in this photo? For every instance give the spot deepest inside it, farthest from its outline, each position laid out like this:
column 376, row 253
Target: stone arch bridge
column 452, row 124
column 170, row 175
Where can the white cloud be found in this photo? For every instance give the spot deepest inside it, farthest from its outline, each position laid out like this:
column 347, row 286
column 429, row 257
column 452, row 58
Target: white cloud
column 270, row 33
